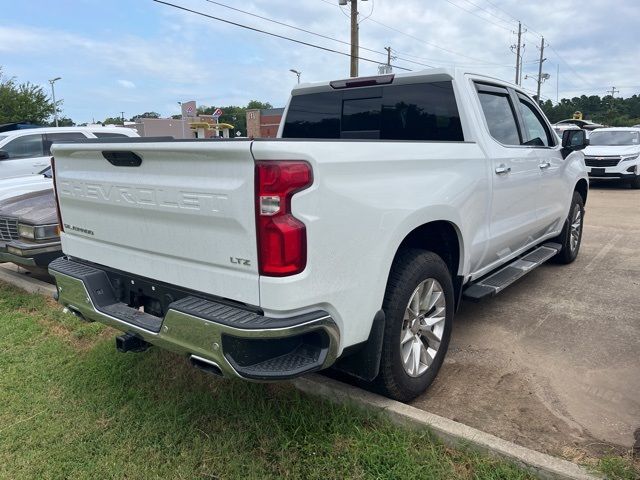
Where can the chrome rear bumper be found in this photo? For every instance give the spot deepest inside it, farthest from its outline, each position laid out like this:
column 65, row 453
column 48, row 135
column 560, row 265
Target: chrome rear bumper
column 241, row 343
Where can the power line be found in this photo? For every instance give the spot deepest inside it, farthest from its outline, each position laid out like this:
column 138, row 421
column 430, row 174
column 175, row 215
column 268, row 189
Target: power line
column 479, row 16
column 283, row 37
column 278, row 22
column 484, row 64
column 412, row 36
column 290, row 26
column 531, row 30
column 489, row 12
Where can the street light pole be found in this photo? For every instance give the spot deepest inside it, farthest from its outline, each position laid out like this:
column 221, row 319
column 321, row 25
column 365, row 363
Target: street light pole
column 182, row 119
column 53, row 95
column 298, row 73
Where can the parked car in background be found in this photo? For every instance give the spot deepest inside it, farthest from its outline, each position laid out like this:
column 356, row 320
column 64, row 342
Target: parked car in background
column 584, row 124
column 560, row 129
column 29, row 233
column 14, row 186
column 27, row 151
column 614, row 154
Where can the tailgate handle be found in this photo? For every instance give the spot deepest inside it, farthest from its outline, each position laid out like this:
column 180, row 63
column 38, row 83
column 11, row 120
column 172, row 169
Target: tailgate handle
column 122, row 158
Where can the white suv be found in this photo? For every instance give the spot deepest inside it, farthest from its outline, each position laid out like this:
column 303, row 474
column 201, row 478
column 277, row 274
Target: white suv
column 614, row 154
column 27, row 152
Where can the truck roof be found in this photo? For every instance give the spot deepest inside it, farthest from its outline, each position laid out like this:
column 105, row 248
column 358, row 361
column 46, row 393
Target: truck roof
column 432, row 75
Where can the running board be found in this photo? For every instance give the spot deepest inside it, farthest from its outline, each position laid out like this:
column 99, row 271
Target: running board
column 501, row 279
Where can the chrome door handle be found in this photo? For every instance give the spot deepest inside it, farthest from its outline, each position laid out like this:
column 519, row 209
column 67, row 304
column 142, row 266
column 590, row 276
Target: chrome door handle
column 544, row 165
column 503, row 169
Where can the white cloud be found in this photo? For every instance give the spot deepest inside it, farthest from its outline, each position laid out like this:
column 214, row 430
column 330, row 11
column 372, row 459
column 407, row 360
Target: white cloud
column 126, row 84
column 177, row 56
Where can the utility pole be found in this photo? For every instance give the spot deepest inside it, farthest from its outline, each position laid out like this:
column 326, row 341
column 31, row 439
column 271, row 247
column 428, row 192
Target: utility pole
column 122, row 117
column 540, row 69
column 53, row 95
column 388, row 49
column 354, row 38
column 613, row 91
column 558, row 83
column 518, row 54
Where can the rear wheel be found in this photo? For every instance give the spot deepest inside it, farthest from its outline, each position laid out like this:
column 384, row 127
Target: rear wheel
column 571, row 236
column 418, row 306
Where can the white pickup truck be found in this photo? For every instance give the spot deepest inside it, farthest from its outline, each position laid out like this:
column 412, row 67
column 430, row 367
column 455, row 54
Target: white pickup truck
column 348, row 241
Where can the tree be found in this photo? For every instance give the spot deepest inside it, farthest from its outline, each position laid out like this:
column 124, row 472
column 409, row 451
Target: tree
column 23, row 102
column 63, row 122
column 112, row 121
column 256, row 104
column 145, row 115
column 607, row 110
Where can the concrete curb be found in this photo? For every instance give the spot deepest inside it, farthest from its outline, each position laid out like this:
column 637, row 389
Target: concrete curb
column 14, row 275
column 449, row 432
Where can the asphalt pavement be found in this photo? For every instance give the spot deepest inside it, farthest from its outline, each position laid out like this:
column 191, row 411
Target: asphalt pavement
column 553, row 362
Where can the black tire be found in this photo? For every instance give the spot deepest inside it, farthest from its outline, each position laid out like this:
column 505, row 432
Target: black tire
column 569, row 253
column 635, row 183
column 410, row 269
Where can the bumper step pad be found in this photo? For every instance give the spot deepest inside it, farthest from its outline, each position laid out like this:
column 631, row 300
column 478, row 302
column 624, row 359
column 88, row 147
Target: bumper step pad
column 498, row 281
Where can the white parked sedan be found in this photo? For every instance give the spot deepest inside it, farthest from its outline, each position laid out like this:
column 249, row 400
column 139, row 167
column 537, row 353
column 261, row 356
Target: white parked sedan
column 15, row 186
column 27, row 151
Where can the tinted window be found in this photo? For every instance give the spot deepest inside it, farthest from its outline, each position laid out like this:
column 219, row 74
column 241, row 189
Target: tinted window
column 314, row 116
column 535, row 129
column 362, row 115
column 500, row 117
column 425, row 111
column 60, row 136
column 27, row 146
column 109, row 135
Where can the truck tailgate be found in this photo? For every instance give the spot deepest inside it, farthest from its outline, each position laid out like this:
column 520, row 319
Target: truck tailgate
column 184, row 216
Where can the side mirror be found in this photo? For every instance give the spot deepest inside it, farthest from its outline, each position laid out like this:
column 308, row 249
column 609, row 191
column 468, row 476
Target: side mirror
column 573, row 140
column 4, row 155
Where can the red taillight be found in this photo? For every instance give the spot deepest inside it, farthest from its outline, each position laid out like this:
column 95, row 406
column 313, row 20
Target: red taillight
column 282, row 238
column 55, row 194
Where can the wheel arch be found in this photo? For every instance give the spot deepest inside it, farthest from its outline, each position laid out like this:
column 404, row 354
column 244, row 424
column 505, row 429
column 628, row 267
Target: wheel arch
column 582, row 187
column 443, row 238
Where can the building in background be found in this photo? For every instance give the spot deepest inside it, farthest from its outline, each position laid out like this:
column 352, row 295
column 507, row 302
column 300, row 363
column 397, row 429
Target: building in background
column 162, row 127
column 264, row 123
column 190, row 126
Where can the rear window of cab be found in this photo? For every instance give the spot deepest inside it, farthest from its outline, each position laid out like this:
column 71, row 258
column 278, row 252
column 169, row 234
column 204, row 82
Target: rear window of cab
column 419, row 112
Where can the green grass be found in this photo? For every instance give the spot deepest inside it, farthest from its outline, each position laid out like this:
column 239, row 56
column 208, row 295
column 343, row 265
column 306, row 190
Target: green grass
column 619, row 468
column 72, row 407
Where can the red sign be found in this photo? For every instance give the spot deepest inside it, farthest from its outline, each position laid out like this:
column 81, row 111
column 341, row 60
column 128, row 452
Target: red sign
column 217, row 113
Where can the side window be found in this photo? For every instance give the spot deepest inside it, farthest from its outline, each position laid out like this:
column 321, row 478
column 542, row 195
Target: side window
column 536, row 131
column 26, row 146
column 500, row 116
column 55, row 137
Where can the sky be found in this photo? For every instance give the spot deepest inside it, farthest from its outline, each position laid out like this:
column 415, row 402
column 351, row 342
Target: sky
column 135, row 56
